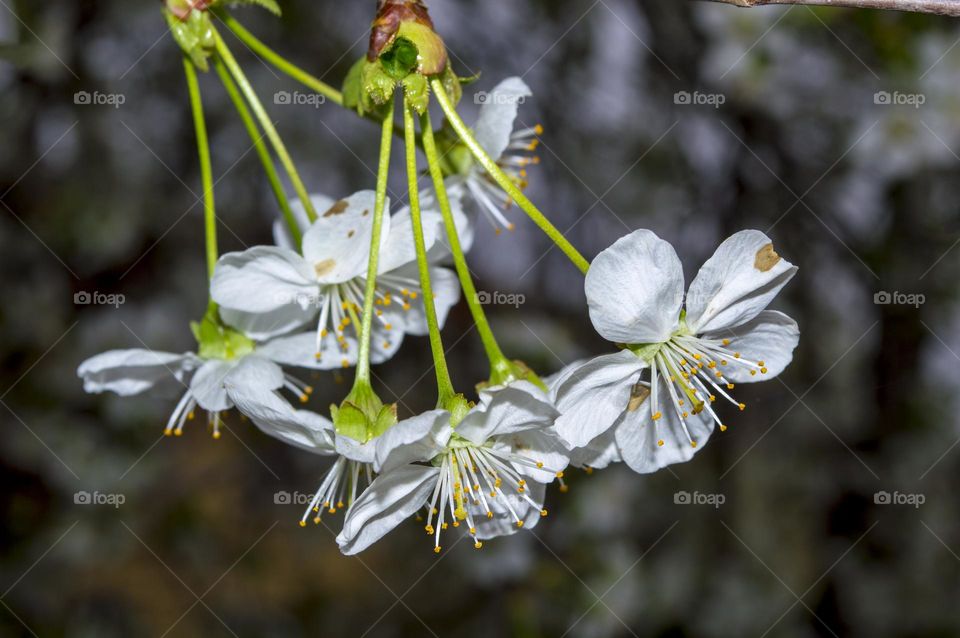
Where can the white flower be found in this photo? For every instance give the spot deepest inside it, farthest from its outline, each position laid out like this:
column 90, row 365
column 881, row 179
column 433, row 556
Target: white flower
column 694, row 354
column 213, row 382
column 510, row 149
column 489, row 471
column 269, row 290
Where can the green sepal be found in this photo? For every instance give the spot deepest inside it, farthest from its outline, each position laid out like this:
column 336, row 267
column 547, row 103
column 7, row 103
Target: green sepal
column 216, row 341
column 363, row 416
column 417, row 92
column 455, row 157
column 400, row 59
column 194, row 35
column 377, row 86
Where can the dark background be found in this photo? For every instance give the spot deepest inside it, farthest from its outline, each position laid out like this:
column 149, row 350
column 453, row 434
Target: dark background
column 862, row 196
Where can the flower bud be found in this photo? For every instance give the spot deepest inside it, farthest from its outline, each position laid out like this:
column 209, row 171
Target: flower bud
column 410, row 20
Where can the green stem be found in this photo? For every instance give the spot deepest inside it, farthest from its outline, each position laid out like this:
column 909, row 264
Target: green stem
column 268, row 127
column 504, row 180
column 279, row 61
column 268, row 166
column 206, row 170
column 383, row 169
column 444, row 385
column 490, row 345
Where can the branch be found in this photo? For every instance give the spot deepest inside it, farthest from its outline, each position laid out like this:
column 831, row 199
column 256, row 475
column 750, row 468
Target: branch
column 937, row 7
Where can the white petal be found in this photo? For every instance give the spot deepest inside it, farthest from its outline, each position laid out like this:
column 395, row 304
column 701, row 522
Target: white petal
column 129, row 372
column 264, row 325
column 540, row 446
column 416, row 439
column 517, row 407
column 338, row 244
column 635, row 289
column 277, row 418
column 736, row 283
column 598, row 453
column 770, row 337
column 281, row 232
column 363, row 452
column 263, row 279
column 440, row 252
column 398, row 250
column 638, row 438
column 300, row 350
column 391, row 499
column 207, row 385
column 255, row 371
column 592, row 397
column 495, row 123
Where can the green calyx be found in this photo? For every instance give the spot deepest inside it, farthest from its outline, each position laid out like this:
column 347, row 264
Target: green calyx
column 504, row 371
column 363, row 416
column 193, row 32
column 455, row 156
column 405, row 63
column 216, row 341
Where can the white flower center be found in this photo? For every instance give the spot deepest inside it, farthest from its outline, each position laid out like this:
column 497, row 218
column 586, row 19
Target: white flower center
column 472, row 480
column 341, row 303
column 692, row 368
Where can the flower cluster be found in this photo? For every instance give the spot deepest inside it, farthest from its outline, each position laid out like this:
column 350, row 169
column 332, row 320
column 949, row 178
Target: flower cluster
column 346, row 283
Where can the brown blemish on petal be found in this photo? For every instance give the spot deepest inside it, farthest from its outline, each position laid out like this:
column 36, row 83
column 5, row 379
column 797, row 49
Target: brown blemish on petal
column 638, row 394
column 766, row 259
column 324, row 267
column 337, row 208
column 365, row 213
column 351, row 233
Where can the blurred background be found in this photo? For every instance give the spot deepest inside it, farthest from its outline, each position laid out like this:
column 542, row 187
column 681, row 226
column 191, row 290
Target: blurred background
column 835, row 131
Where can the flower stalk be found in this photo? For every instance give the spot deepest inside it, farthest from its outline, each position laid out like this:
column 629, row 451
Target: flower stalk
column 503, row 179
column 206, row 170
column 445, row 389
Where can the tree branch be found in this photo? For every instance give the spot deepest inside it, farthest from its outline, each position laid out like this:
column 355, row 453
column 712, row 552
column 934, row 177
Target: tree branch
column 937, row 7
